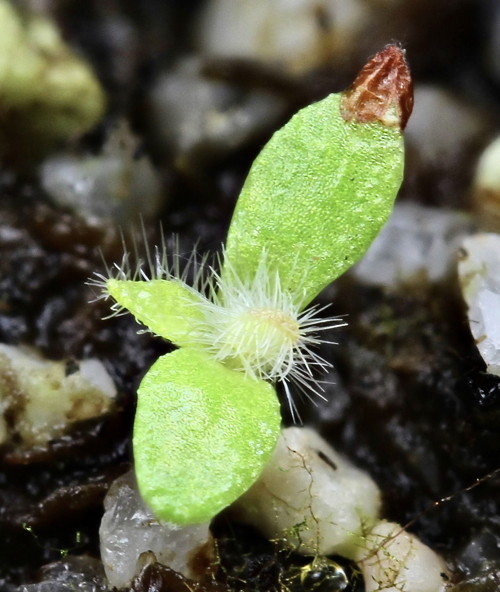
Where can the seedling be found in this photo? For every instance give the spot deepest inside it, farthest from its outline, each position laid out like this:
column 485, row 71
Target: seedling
column 207, row 414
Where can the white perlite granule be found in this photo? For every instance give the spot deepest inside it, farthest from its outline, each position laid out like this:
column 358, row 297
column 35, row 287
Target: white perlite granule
column 479, row 273
column 314, row 500
column 317, row 497
column 44, row 397
column 128, row 529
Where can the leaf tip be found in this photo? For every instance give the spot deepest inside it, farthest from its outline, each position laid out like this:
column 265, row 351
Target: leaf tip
column 382, row 91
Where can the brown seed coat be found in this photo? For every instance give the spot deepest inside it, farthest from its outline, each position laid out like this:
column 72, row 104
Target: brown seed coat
column 382, row 91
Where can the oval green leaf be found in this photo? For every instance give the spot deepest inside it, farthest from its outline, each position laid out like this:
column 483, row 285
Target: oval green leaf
column 202, row 435
column 316, row 197
column 168, row 308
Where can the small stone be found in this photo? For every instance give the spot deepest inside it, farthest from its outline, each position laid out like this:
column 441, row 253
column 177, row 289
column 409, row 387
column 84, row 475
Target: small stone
column 417, row 243
column 480, row 556
column 43, row 398
column 486, row 187
column 48, row 92
column 198, row 119
column 394, row 560
column 115, row 185
column 479, row 274
column 297, row 35
column 443, row 126
column 129, row 529
column 312, row 497
column 84, row 574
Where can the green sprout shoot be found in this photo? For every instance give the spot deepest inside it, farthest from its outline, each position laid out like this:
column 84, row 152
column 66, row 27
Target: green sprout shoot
column 208, row 417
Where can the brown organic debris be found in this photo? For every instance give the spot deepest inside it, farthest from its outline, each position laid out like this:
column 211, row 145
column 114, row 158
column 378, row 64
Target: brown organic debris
column 157, row 577
column 382, row 91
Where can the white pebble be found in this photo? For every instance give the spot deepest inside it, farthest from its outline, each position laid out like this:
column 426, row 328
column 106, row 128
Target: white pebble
column 294, row 34
column 479, row 273
column 394, row 560
column 486, row 187
column 75, row 573
column 417, row 243
column 129, row 528
column 442, row 125
column 43, row 398
column 113, row 185
column 198, row 118
column 312, row 497
column 488, row 167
